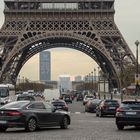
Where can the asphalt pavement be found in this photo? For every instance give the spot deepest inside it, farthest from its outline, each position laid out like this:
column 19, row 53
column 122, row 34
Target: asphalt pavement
column 84, row 126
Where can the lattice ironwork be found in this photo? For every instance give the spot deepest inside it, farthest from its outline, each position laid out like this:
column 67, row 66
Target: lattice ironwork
column 89, row 27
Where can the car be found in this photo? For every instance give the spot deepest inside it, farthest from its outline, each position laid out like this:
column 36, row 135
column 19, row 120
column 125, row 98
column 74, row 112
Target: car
column 79, row 97
column 68, row 99
column 107, row 107
column 60, row 105
column 91, row 105
column 32, row 115
column 128, row 114
column 25, row 97
column 86, row 98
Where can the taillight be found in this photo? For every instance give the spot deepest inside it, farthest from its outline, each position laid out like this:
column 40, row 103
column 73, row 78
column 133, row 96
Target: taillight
column 104, row 105
column 13, row 113
column 119, row 110
column 66, row 105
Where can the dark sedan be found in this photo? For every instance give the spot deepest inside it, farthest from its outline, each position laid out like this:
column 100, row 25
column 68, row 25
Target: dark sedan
column 107, row 107
column 128, row 114
column 60, row 105
column 91, row 105
column 32, row 115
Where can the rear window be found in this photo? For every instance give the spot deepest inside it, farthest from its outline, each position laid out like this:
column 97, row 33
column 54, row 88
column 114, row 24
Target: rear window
column 25, row 98
column 89, row 96
column 15, row 105
column 96, row 101
column 131, row 105
column 112, row 102
column 58, row 103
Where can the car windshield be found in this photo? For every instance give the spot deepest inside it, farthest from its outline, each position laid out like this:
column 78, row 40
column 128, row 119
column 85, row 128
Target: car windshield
column 58, row 103
column 14, row 105
column 131, row 106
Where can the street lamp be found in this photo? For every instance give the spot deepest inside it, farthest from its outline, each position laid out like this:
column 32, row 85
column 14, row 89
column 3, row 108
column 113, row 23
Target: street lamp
column 99, row 84
column 92, row 81
column 104, row 81
column 137, row 68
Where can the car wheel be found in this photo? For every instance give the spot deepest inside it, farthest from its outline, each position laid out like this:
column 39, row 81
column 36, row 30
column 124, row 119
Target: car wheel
column 97, row 115
column 31, row 125
column 3, row 129
column 100, row 114
column 64, row 124
column 120, row 127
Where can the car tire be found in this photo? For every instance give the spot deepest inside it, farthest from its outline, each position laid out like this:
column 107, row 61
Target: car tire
column 100, row 114
column 3, row 129
column 64, row 124
column 120, row 127
column 31, row 125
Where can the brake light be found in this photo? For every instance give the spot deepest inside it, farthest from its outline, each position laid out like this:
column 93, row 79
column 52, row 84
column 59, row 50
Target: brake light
column 119, row 110
column 104, row 105
column 14, row 113
column 66, row 105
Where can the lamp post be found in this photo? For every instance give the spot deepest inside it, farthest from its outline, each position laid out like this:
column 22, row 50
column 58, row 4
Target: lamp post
column 92, row 82
column 95, row 78
column 99, row 84
column 137, row 68
column 104, row 81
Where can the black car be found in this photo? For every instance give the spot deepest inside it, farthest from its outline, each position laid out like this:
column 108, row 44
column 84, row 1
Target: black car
column 32, row 115
column 107, row 107
column 68, row 99
column 128, row 114
column 60, row 105
column 91, row 105
column 25, row 97
column 79, row 97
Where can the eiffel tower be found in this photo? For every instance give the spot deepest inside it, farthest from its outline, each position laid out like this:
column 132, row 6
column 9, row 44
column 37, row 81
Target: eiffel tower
column 32, row 26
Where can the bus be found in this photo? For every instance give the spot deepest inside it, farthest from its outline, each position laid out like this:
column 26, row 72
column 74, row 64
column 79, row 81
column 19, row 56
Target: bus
column 7, row 93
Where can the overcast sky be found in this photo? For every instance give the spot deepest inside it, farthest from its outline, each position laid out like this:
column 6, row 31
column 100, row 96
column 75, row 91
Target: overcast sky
column 127, row 18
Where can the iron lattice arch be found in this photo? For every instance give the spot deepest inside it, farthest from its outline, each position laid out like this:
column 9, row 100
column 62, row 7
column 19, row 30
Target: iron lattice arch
column 93, row 32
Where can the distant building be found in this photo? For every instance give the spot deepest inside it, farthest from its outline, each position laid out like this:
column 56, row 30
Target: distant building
column 64, row 83
column 78, row 78
column 45, row 66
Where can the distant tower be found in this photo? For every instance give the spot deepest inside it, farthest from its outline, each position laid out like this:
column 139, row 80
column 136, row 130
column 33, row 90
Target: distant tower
column 45, row 66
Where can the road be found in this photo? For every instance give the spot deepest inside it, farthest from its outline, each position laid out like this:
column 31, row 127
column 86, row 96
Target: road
column 84, row 126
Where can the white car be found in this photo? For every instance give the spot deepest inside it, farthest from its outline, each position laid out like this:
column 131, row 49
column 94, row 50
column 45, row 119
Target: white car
column 87, row 97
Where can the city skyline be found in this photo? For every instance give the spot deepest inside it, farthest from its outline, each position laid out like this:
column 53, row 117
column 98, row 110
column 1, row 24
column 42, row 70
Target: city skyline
column 68, row 61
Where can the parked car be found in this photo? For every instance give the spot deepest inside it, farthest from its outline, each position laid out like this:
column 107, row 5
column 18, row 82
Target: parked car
column 60, row 105
column 91, row 105
column 107, row 107
column 79, row 97
column 86, row 98
column 128, row 114
column 68, row 99
column 32, row 115
column 25, row 97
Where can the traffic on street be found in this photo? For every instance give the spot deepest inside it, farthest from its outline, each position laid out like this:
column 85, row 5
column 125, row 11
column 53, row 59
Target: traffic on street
column 80, row 126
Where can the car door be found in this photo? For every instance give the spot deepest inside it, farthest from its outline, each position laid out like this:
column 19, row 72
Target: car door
column 39, row 110
column 53, row 117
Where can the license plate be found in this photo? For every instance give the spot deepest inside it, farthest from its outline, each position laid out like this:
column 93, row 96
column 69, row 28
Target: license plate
column 131, row 113
column 112, row 107
column 59, row 107
column 3, row 122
